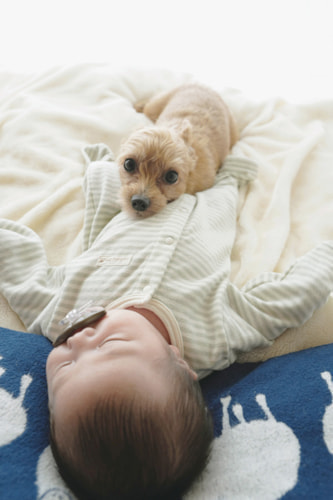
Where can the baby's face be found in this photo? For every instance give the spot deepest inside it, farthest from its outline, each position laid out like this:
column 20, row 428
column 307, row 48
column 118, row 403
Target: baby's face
column 120, row 352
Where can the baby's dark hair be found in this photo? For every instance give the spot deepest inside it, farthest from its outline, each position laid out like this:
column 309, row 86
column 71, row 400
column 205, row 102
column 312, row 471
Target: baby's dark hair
column 126, row 449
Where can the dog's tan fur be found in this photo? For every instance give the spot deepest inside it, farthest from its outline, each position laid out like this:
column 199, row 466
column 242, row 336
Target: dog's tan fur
column 192, row 135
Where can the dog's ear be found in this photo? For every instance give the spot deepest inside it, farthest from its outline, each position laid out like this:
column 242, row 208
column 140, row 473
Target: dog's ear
column 186, row 131
column 186, row 135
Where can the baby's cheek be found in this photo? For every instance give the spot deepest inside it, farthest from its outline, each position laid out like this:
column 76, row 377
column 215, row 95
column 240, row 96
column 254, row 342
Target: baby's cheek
column 55, row 358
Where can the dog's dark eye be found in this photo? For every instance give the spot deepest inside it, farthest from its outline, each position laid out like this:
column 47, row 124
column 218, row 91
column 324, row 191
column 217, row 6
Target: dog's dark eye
column 130, row 165
column 171, row 177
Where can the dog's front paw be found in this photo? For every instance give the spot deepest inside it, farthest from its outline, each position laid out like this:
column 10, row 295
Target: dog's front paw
column 139, row 106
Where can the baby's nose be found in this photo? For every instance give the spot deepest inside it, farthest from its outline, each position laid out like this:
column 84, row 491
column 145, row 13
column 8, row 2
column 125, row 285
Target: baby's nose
column 140, row 203
column 81, row 338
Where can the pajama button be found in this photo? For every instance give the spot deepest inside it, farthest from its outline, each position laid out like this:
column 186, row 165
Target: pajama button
column 169, row 240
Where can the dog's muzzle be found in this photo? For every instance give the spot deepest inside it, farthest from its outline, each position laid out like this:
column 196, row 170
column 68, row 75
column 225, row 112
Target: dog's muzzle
column 139, row 202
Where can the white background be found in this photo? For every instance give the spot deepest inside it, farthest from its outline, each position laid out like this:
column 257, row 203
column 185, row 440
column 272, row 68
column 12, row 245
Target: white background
column 262, row 47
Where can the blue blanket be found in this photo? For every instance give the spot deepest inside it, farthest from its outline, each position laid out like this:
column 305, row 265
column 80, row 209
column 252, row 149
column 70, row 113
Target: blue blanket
column 273, row 427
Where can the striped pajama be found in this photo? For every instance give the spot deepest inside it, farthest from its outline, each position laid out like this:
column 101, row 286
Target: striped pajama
column 176, row 263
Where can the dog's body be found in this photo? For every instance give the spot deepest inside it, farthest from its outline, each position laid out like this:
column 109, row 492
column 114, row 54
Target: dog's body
column 181, row 153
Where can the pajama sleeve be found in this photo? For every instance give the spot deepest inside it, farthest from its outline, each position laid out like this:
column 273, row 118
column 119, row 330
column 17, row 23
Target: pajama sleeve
column 240, row 169
column 269, row 304
column 101, row 187
column 26, row 280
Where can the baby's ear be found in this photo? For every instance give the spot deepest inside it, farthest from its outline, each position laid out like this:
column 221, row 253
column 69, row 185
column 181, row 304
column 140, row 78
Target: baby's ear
column 186, row 131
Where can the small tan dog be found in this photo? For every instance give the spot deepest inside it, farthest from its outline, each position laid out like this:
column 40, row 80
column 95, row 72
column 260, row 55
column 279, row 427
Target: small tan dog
column 181, row 153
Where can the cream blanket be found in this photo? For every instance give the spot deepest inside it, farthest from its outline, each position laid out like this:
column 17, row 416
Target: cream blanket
column 46, row 120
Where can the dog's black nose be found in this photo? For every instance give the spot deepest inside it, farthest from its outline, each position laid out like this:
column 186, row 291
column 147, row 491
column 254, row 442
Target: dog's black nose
column 139, row 202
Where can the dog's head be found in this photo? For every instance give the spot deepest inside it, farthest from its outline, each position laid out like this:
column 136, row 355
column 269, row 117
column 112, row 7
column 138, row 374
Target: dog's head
column 154, row 163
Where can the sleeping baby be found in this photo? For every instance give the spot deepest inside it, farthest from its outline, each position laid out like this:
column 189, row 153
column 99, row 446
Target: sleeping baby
column 144, row 312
